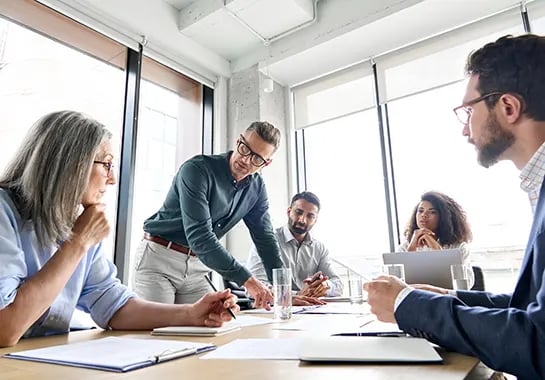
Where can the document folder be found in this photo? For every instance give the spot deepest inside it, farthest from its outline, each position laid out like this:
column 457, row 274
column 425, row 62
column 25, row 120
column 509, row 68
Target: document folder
column 116, row 354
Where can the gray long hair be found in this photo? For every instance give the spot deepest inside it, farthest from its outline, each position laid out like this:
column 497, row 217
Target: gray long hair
column 50, row 171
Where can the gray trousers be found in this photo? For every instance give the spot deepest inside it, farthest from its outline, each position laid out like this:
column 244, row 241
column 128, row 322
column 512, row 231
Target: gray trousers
column 168, row 276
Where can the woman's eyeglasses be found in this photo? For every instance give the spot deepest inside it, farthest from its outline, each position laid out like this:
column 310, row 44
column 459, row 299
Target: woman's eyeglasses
column 108, row 166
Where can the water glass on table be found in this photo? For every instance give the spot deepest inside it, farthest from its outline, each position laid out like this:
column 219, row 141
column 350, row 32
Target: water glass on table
column 355, row 289
column 462, row 276
column 282, row 293
column 397, row 270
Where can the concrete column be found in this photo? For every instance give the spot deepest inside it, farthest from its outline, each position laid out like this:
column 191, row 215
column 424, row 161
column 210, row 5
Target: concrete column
column 248, row 102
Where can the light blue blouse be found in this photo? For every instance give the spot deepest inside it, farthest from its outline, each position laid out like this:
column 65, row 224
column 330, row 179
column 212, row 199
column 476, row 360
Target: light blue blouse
column 92, row 288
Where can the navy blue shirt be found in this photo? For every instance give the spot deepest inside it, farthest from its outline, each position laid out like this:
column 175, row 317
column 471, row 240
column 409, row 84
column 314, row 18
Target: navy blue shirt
column 204, row 203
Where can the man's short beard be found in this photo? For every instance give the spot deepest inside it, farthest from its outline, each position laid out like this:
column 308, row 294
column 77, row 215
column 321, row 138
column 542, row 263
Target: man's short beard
column 298, row 230
column 499, row 141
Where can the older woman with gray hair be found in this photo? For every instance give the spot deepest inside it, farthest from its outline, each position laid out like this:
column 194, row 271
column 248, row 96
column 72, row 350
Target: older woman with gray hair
column 52, row 223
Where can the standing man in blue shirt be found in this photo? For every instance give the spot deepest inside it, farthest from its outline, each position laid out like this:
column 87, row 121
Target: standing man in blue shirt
column 503, row 112
column 208, row 197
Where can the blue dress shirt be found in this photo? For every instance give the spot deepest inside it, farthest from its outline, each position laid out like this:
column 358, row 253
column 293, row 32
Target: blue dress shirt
column 93, row 287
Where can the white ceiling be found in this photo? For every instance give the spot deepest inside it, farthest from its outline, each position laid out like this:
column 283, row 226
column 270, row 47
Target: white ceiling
column 215, row 37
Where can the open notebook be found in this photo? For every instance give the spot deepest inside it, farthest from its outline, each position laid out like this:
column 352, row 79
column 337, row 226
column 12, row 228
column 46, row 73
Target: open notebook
column 195, row 330
column 368, row 349
column 116, row 354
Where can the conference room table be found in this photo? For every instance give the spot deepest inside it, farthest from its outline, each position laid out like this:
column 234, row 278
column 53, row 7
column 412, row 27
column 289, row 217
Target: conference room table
column 454, row 367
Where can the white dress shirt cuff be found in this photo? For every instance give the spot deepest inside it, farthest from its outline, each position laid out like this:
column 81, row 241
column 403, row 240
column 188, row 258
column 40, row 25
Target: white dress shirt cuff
column 401, row 296
column 452, row 292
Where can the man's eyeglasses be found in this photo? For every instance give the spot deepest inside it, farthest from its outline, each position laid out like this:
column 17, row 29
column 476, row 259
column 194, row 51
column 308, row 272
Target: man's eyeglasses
column 463, row 112
column 108, row 166
column 244, row 150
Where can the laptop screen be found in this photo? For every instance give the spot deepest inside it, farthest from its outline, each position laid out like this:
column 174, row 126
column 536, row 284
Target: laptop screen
column 426, row 267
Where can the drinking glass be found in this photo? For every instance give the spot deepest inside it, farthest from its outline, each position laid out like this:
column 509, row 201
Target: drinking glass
column 282, row 293
column 462, row 276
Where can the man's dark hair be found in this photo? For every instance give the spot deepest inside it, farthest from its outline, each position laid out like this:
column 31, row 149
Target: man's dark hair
column 267, row 132
column 307, row 196
column 514, row 65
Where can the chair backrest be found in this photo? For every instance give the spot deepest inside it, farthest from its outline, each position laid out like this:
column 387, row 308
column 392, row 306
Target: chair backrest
column 244, row 301
column 479, row 278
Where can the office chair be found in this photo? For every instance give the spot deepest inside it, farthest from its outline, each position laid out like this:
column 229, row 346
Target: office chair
column 479, row 278
column 244, row 301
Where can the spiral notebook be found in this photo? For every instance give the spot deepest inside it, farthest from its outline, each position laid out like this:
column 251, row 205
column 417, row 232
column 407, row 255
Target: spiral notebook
column 116, row 354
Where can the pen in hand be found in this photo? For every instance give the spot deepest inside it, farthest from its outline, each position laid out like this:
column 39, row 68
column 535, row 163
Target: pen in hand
column 214, row 289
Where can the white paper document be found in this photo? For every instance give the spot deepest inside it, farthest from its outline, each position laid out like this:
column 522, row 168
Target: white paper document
column 251, row 320
column 294, row 310
column 339, row 308
column 117, row 354
column 327, row 324
column 272, row 349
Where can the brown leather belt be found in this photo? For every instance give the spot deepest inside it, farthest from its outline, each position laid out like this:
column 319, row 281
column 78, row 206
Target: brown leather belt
column 169, row 244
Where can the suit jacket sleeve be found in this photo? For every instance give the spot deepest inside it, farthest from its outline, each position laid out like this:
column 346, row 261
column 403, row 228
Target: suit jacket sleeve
column 509, row 339
column 486, row 299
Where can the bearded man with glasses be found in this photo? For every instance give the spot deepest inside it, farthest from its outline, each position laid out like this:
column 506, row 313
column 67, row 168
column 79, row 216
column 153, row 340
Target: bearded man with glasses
column 209, row 195
column 503, row 116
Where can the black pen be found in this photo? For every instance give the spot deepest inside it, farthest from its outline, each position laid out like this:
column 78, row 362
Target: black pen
column 214, row 289
column 379, row 334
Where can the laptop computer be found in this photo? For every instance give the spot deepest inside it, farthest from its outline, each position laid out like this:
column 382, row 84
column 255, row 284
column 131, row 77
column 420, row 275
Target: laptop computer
column 368, row 349
column 426, row 267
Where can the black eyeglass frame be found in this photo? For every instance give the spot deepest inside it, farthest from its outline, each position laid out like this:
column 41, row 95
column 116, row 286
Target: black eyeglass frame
column 242, row 141
column 468, row 111
column 108, row 165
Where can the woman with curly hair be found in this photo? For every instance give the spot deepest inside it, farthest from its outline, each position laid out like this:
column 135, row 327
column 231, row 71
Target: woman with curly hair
column 437, row 222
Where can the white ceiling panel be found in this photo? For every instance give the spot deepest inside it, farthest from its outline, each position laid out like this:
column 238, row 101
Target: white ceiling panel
column 222, row 33
column 180, row 4
column 271, row 18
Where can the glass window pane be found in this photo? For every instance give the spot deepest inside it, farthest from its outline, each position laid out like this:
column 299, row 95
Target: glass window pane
column 344, row 169
column 536, row 14
column 39, row 75
column 430, row 153
column 169, row 132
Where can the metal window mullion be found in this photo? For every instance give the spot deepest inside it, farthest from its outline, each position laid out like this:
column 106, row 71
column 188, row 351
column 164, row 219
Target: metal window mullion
column 384, row 160
column 207, row 120
column 127, row 164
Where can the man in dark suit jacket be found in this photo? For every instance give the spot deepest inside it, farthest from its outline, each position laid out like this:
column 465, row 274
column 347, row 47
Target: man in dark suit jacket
column 503, row 112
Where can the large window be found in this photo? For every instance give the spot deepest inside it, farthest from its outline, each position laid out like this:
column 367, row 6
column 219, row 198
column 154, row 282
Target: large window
column 343, row 167
column 169, row 132
column 497, row 209
column 418, row 86
column 78, row 70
